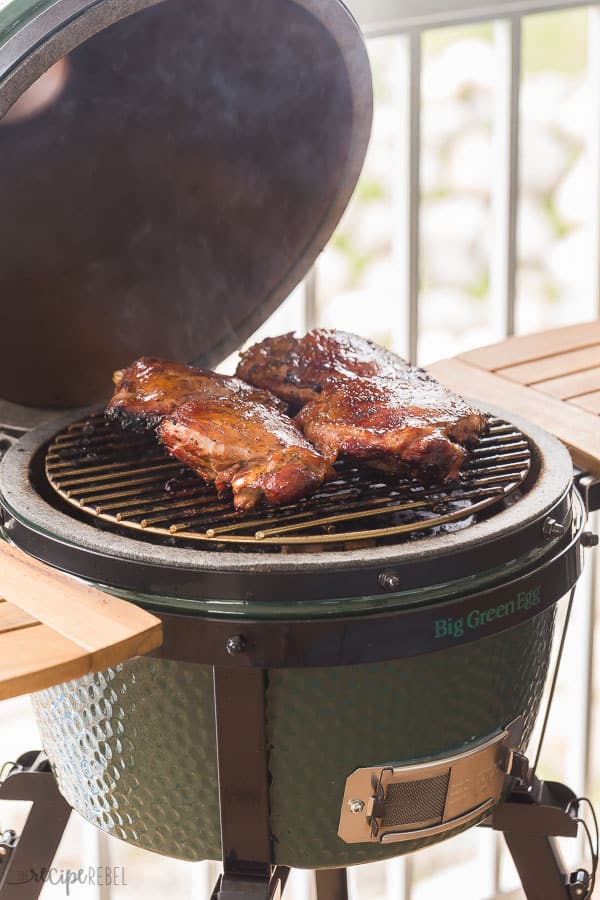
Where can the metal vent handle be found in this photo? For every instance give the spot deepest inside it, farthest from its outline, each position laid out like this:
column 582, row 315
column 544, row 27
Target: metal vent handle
column 386, row 804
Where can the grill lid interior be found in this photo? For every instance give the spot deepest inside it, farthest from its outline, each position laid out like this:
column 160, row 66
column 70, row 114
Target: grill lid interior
column 173, row 178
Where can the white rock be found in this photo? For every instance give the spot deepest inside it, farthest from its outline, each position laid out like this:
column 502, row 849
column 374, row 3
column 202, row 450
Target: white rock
column 544, row 158
column 434, row 345
column 433, row 176
column 442, row 121
column 454, row 265
column 459, row 219
column 568, row 261
column 469, row 164
column 570, row 306
column 541, row 96
column 370, row 230
column 573, row 197
column 532, row 301
column 460, row 68
column 455, row 237
column 334, row 272
column 534, row 229
column 381, row 166
column 574, row 114
column 386, row 125
column 382, row 276
column 449, row 309
column 363, row 312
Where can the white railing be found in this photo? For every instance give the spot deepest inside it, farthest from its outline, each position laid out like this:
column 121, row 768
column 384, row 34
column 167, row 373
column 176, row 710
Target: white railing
column 410, row 18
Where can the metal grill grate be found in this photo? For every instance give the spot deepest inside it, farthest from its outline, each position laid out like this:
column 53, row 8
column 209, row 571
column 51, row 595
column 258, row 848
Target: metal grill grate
column 128, row 480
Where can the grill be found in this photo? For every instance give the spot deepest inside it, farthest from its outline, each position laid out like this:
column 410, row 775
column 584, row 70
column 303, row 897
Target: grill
column 343, row 679
column 129, row 482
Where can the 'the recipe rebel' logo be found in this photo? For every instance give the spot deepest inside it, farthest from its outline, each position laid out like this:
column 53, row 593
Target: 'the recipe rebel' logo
column 455, row 626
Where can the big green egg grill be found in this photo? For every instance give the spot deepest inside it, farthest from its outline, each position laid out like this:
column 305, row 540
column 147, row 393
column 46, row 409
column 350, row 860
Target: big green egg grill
column 345, row 679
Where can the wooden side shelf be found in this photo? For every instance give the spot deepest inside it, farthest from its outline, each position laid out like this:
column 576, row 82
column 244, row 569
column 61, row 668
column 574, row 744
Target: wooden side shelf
column 551, row 378
column 54, row 628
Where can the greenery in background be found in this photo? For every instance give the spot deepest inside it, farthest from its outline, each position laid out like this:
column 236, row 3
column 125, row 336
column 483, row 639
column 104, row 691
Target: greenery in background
column 554, row 45
column 556, row 40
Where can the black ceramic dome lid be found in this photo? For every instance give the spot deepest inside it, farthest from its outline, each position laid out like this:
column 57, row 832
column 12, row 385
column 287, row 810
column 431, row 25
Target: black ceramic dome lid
column 192, row 164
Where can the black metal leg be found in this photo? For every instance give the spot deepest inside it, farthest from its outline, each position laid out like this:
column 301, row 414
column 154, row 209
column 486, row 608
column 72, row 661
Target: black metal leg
column 28, row 856
column 246, row 887
column 530, row 819
column 540, row 867
column 244, row 787
column 332, row 884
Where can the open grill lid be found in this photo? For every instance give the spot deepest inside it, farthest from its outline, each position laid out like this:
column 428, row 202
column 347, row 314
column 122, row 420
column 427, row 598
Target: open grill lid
column 169, row 181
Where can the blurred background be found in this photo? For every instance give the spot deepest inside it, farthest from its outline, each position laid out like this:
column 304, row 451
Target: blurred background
column 435, row 199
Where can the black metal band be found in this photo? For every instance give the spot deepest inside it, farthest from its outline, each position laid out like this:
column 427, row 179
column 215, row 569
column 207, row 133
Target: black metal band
column 373, row 638
column 272, row 584
column 243, row 772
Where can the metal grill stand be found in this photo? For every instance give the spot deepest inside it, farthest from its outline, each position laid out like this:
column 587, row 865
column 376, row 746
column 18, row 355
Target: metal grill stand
column 26, row 858
column 531, row 817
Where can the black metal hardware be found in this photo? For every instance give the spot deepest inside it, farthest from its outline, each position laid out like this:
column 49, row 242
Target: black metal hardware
column 243, row 772
column 243, row 887
column 552, row 528
column 579, row 883
column 8, row 437
column 331, row 884
column 403, row 632
column 531, row 817
column 235, row 644
column 589, row 488
column 28, row 856
column 390, row 581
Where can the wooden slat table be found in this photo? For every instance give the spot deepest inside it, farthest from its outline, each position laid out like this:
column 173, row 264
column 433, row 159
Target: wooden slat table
column 54, row 628
column 551, row 378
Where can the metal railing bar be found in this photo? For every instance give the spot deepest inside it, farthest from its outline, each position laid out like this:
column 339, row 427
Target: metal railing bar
column 590, row 656
column 497, row 862
column 408, row 199
column 505, row 187
column 424, row 20
column 398, row 878
column 593, row 139
column 310, row 299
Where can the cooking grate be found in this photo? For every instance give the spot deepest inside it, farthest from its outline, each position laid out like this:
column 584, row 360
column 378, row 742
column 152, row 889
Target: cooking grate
column 128, row 480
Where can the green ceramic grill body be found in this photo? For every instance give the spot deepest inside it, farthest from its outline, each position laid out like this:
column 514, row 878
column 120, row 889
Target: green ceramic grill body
column 133, row 748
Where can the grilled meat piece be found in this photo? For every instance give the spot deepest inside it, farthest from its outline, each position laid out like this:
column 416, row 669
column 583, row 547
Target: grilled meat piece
column 236, row 439
column 296, row 369
column 151, row 388
column 359, row 399
column 404, row 427
column 225, row 430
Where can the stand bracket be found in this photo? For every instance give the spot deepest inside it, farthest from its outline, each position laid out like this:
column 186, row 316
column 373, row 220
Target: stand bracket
column 26, row 858
column 533, row 815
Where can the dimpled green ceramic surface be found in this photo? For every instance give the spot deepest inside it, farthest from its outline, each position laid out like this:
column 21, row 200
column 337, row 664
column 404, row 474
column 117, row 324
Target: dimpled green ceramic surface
column 133, row 748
